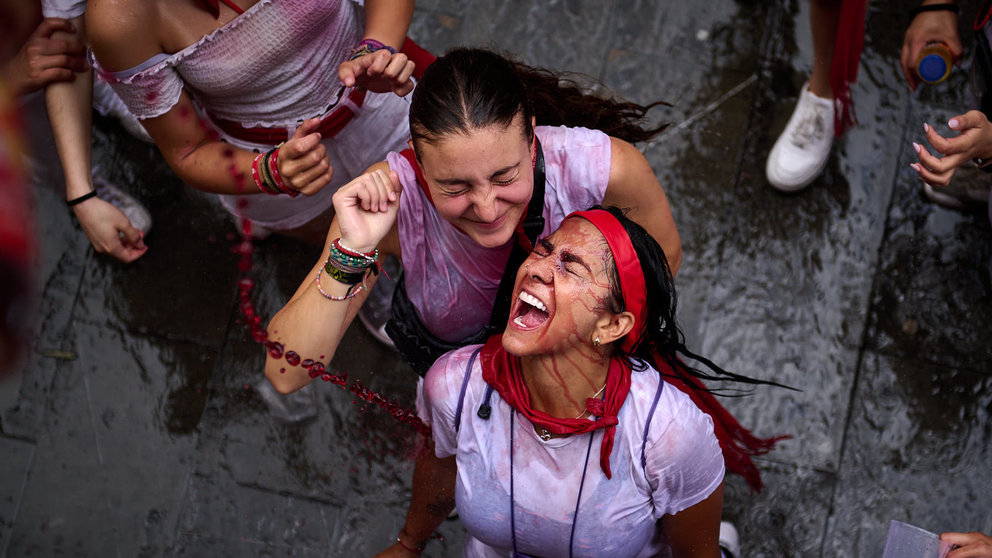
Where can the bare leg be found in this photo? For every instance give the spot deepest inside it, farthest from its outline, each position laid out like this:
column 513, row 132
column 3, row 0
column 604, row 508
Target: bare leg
column 823, row 18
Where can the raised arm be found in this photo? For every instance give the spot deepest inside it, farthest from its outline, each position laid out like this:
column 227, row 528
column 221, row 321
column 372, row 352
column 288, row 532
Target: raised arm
column 633, row 185
column 311, row 324
column 123, row 38
column 695, row 532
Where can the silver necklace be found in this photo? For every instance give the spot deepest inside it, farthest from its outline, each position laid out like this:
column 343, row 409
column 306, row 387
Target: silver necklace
column 544, row 435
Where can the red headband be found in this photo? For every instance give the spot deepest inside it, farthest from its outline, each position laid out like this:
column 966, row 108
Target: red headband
column 632, row 287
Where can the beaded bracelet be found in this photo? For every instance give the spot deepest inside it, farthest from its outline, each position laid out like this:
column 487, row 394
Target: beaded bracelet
column 368, row 46
column 419, row 549
column 350, row 261
column 369, row 256
column 352, row 291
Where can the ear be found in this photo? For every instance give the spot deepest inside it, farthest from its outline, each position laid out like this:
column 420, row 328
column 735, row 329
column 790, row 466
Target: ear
column 611, row 327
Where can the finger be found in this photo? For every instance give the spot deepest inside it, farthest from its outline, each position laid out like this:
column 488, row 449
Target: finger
column 318, row 183
column 933, row 178
column 394, row 178
column 302, row 180
column 348, row 73
column 938, row 164
column 908, row 69
column 405, row 82
column 970, row 119
column 52, row 24
column 293, row 170
column 938, row 141
column 56, row 74
column 304, row 140
column 379, row 62
column 61, row 46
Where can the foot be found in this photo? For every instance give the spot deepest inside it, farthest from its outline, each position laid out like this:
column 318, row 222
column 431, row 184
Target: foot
column 729, row 540
column 801, row 152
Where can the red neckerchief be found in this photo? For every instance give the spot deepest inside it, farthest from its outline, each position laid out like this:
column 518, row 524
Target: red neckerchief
column 213, row 6
column 501, row 370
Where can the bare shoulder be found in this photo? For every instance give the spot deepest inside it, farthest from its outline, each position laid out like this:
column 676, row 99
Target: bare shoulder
column 121, row 32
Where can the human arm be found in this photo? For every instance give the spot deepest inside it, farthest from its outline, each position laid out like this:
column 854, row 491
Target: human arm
column 312, row 325
column 974, row 140
column 633, row 185
column 929, row 27
column 432, row 499
column 969, row 545
column 386, row 22
column 695, row 531
column 69, row 107
column 43, row 59
column 121, row 39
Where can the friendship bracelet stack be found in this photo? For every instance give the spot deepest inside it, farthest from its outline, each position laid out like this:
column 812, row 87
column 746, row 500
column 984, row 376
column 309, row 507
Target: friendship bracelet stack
column 265, row 171
column 368, row 46
column 348, row 266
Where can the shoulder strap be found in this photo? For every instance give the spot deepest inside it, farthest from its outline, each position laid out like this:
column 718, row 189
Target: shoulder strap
column 647, row 422
column 527, row 231
column 461, row 395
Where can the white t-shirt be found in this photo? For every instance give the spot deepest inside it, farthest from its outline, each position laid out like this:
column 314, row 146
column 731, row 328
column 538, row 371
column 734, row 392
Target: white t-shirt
column 451, row 280
column 616, row 517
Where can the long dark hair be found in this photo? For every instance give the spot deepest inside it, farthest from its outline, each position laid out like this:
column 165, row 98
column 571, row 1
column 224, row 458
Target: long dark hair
column 470, row 88
column 662, row 335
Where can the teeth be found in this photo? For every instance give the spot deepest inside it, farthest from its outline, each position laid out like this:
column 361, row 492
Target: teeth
column 519, row 321
column 532, row 300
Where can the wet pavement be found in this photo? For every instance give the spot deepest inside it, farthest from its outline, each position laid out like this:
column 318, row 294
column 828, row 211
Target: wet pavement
column 133, row 428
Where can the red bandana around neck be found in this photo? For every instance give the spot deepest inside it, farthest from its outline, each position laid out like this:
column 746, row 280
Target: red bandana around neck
column 502, row 370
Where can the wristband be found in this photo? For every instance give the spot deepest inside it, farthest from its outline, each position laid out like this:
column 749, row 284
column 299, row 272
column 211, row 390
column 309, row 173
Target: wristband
column 416, row 549
column 933, row 8
column 81, row 199
column 368, row 46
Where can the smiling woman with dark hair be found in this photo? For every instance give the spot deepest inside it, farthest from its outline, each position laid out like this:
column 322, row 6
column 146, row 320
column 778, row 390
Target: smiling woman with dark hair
column 558, row 438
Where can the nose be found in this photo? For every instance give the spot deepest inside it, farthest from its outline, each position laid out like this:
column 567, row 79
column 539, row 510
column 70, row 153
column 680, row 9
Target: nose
column 540, row 270
column 485, row 203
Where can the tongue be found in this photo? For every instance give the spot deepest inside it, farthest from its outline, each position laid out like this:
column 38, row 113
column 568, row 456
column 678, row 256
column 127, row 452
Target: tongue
column 533, row 317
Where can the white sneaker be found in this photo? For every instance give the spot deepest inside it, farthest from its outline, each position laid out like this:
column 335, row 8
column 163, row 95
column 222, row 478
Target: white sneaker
column 130, row 207
column 729, row 540
column 801, row 152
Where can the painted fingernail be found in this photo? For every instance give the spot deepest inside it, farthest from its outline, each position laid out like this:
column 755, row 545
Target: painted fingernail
column 915, row 166
column 953, row 123
column 917, row 147
column 926, row 127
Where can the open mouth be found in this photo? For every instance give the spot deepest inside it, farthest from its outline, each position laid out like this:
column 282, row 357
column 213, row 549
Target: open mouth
column 530, row 311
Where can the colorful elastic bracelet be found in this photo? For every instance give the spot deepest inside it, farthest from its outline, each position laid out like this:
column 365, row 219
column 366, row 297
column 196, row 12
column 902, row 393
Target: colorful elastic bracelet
column 349, row 261
column 81, row 199
column 416, row 549
column 352, row 291
column 370, row 256
column 368, row 46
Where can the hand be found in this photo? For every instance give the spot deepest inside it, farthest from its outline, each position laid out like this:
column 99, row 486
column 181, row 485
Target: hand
column 969, row 545
column 974, row 139
column 43, row 60
column 109, row 230
column 366, row 208
column 396, row 551
column 928, row 27
column 303, row 162
column 380, row 72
